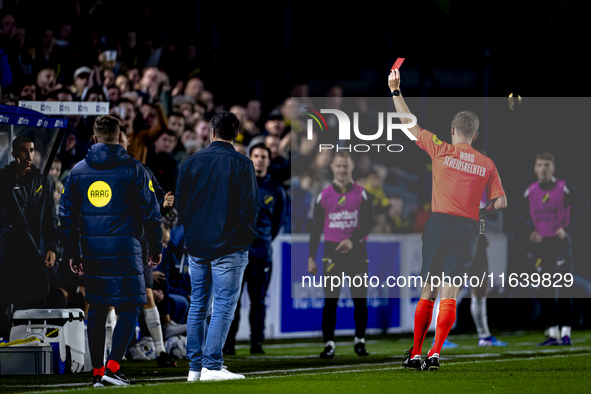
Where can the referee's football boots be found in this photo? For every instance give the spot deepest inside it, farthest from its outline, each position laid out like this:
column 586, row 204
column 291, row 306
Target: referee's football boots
column 412, row 363
column 431, row 363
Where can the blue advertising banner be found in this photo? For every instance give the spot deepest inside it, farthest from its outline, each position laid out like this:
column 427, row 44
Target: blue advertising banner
column 11, row 115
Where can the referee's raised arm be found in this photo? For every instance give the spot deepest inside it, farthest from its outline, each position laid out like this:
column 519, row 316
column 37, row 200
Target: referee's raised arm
column 394, row 85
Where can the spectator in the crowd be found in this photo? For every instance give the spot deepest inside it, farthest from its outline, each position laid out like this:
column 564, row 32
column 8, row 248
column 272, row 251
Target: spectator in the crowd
column 64, row 95
column 28, row 91
column 8, row 25
column 160, row 160
column 381, row 225
column 81, row 81
column 133, row 75
column 190, row 143
column 45, row 82
column 202, row 132
column 275, row 124
column 114, row 94
column 206, row 98
column 125, row 110
column 374, row 185
column 123, row 84
column 398, row 224
column 176, row 124
column 143, row 139
column 194, row 88
column 282, row 162
column 253, row 111
column 108, row 78
column 56, row 170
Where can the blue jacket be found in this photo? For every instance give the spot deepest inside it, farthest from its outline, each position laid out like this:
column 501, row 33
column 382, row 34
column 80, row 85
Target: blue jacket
column 271, row 214
column 108, row 201
column 218, row 201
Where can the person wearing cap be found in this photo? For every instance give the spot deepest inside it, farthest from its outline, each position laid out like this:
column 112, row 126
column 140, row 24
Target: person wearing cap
column 275, row 124
column 81, row 81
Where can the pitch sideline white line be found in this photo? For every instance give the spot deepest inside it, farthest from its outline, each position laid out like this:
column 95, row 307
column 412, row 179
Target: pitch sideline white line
column 300, row 369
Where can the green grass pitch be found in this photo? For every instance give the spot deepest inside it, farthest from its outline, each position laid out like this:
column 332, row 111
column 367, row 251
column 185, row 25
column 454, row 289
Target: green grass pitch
column 294, row 367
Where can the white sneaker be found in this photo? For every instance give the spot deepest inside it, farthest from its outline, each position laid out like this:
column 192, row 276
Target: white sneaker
column 194, row 376
column 222, row 374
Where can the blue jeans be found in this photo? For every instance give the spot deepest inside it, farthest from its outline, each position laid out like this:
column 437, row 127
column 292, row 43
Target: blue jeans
column 222, row 279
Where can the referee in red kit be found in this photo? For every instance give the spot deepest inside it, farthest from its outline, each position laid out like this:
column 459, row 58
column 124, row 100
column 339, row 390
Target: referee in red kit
column 460, row 175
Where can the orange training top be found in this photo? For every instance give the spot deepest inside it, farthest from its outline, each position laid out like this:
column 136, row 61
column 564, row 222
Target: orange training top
column 460, row 175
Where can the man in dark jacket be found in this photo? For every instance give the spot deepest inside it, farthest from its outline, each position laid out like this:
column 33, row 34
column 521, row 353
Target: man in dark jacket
column 108, row 202
column 258, row 272
column 27, row 217
column 218, row 203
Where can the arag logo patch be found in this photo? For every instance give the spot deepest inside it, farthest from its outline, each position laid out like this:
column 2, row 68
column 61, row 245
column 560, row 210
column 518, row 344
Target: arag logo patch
column 99, row 194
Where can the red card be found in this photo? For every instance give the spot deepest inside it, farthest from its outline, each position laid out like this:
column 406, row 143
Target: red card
column 397, row 64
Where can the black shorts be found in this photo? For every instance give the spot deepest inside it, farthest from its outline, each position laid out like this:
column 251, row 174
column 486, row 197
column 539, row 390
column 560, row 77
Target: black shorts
column 148, row 277
column 449, row 245
column 352, row 264
column 480, row 263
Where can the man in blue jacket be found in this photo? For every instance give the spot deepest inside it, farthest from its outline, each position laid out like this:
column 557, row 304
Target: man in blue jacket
column 258, row 272
column 218, row 203
column 107, row 203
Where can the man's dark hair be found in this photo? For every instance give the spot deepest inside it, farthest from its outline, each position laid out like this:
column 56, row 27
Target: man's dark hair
column 63, row 90
column 225, row 125
column 260, row 146
column 21, row 139
column 97, row 90
column 106, row 129
column 170, row 132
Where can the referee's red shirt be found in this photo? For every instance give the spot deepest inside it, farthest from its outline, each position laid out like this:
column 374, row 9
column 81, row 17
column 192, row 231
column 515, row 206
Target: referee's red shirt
column 460, row 175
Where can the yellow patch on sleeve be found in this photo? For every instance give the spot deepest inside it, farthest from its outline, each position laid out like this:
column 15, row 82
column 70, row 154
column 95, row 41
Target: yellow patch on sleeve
column 436, row 140
column 151, row 186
